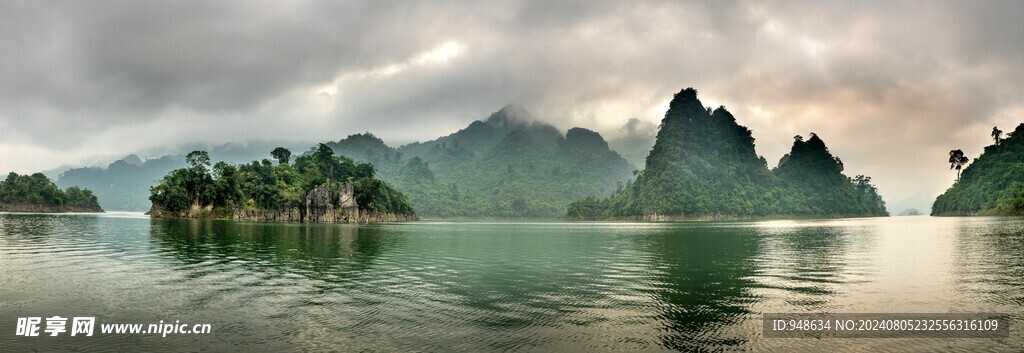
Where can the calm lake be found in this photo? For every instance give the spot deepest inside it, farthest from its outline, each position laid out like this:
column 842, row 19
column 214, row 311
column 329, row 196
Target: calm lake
column 549, row 287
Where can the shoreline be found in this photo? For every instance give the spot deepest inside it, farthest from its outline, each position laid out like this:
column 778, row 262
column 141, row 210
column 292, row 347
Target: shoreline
column 991, row 212
column 324, row 215
column 713, row 218
column 23, row 208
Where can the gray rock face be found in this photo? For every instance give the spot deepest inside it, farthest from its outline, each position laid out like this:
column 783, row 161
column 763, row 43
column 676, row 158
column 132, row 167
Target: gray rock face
column 320, row 207
column 319, row 197
column 287, row 214
column 347, row 196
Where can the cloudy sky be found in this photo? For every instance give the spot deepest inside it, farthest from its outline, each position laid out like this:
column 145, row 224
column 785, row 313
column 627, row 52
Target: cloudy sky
column 890, row 86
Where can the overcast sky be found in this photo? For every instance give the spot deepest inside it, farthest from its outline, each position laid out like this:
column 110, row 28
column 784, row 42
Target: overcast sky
column 890, row 86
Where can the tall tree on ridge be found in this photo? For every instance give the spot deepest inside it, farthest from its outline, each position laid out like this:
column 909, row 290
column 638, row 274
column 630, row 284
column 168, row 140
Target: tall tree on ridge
column 282, row 155
column 957, row 160
column 997, row 134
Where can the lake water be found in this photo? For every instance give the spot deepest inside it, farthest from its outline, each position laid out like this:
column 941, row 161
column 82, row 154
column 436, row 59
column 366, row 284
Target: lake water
column 435, row 286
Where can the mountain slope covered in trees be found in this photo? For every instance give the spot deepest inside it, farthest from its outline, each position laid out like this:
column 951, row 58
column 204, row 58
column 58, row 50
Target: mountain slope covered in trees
column 704, row 165
column 505, row 166
column 811, row 182
column 993, row 184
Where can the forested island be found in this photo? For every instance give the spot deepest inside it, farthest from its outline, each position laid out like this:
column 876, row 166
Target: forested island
column 704, row 166
column 317, row 187
column 992, row 185
column 36, row 193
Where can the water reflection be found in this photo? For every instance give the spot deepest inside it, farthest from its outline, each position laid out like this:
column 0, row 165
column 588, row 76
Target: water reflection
column 807, row 264
column 992, row 261
column 704, row 282
column 322, row 251
column 714, row 280
column 37, row 228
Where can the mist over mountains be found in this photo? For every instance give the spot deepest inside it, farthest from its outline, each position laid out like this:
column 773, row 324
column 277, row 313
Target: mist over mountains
column 123, row 185
column 634, row 141
column 506, row 165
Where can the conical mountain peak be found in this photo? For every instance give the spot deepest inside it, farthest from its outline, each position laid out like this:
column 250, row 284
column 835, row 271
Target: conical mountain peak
column 511, row 115
column 686, row 105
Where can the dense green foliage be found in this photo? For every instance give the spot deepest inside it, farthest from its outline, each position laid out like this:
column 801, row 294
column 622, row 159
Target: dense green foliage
column 505, row 166
column 37, row 189
column 264, row 185
column 812, row 183
column 992, row 184
column 704, row 164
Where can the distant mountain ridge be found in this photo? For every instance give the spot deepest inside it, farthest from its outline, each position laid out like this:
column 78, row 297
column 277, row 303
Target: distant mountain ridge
column 123, row 185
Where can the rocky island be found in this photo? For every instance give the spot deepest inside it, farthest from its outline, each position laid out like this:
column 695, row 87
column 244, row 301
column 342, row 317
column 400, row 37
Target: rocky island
column 36, row 193
column 704, row 166
column 318, row 187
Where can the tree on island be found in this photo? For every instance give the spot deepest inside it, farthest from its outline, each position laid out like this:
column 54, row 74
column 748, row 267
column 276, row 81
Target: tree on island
column 862, row 183
column 199, row 174
column 282, row 155
column 997, row 134
column 957, row 160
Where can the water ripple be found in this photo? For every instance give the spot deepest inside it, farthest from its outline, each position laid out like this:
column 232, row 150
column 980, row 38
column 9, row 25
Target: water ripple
column 441, row 286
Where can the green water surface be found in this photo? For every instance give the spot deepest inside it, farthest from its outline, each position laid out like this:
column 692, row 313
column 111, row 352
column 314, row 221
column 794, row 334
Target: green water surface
column 472, row 287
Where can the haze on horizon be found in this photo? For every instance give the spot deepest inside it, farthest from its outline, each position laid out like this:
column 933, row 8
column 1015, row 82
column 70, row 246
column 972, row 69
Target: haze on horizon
column 890, row 86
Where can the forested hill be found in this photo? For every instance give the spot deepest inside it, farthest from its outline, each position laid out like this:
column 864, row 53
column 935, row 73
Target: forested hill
column 704, row 165
column 36, row 193
column 702, row 162
column 506, row 166
column 993, row 184
column 811, row 181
